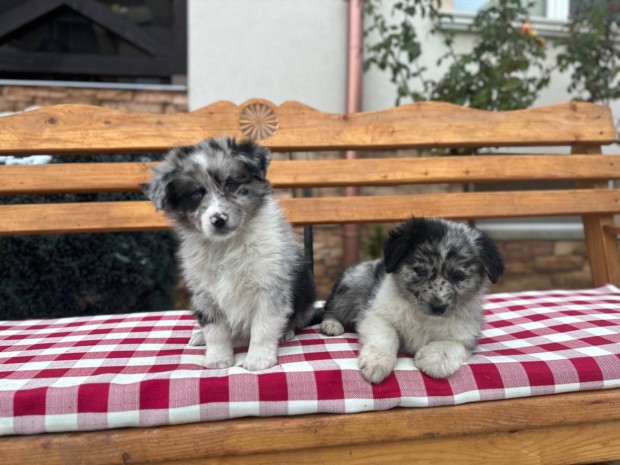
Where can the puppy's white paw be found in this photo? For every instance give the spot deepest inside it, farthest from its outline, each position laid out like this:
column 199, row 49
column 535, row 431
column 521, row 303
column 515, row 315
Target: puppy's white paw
column 259, row 360
column 218, row 364
column 288, row 335
column 219, row 359
column 439, row 360
column 197, row 339
column 331, row 327
column 375, row 365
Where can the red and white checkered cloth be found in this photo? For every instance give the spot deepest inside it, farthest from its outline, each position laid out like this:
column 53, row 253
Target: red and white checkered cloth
column 78, row 374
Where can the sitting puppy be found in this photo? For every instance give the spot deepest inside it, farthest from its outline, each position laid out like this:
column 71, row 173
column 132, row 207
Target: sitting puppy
column 425, row 297
column 239, row 255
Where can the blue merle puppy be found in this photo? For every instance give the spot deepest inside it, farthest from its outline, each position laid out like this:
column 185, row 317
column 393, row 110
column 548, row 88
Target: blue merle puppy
column 424, row 297
column 240, row 257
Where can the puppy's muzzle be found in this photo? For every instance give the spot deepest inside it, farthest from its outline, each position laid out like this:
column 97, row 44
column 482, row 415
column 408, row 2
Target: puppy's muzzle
column 219, row 220
column 438, row 307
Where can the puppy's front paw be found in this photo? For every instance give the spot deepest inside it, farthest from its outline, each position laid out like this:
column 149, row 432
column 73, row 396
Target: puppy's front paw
column 257, row 361
column 197, row 339
column 218, row 364
column 288, row 335
column 375, row 365
column 331, row 327
column 439, row 360
column 219, row 357
column 219, row 361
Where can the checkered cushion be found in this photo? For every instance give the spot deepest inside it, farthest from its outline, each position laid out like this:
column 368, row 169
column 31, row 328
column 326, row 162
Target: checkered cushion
column 138, row 370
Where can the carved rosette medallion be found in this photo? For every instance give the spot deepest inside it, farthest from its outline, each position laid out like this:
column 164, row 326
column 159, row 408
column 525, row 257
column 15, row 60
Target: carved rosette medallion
column 258, row 121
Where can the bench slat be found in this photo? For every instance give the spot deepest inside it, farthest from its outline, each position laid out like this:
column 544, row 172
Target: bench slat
column 294, row 126
column 139, row 215
column 127, row 177
column 612, row 230
column 243, row 436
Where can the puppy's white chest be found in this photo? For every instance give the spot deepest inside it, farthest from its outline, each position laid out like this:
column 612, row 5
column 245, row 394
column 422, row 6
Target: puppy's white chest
column 236, row 279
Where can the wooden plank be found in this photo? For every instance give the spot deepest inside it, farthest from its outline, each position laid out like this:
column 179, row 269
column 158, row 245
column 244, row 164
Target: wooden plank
column 572, row 444
column 112, row 177
column 611, row 251
column 294, row 126
column 74, row 178
column 603, row 252
column 439, row 169
column 120, row 26
column 242, row 437
column 139, row 215
column 613, row 229
column 458, row 206
column 25, row 13
column 43, row 62
column 179, row 36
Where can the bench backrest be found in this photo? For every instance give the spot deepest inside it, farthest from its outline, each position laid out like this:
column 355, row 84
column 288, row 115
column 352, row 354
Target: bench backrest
column 70, row 130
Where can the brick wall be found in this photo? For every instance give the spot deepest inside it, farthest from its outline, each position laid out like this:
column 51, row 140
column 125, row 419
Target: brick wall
column 18, row 98
column 534, row 265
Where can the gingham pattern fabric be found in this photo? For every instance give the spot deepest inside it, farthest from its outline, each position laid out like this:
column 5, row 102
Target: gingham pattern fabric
column 90, row 373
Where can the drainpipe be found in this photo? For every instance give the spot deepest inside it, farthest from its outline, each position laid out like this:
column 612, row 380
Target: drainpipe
column 351, row 239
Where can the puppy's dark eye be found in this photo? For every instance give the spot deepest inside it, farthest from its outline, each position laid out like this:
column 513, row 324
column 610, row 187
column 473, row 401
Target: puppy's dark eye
column 197, row 195
column 231, row 186
column 457, row 276
column 420, row 271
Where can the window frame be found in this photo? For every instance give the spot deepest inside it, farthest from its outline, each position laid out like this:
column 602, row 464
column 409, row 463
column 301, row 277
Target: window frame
column 551, row 25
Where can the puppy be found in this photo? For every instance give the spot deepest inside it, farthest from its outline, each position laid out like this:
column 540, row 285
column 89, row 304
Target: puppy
column 239, row 255
column 424, row 297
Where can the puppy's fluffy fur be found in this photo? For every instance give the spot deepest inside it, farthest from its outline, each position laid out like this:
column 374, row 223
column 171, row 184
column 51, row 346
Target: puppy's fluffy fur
column 240, row 257
column 424, row 297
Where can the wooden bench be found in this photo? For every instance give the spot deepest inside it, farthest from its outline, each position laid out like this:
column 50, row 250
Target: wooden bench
column 563, row 428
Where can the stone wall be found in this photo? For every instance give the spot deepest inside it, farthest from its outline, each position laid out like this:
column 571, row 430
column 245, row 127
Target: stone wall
column 534, row 265
column 529, row 264
column 18, row 98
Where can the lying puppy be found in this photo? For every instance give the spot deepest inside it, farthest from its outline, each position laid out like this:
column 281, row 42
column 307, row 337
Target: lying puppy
column 239, row 255
column 425, row 297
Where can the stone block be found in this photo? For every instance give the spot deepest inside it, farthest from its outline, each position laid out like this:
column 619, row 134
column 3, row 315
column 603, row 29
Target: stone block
column 553, row 264
column 134, row 107
column 569, row 248
column 116, row 95
column 153, row 97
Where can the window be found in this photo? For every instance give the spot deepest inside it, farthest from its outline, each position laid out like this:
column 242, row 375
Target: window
column 549, row 9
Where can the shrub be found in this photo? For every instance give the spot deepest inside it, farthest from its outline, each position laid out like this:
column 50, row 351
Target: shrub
column 504, row 71
column 591, row 51
column 85, row 274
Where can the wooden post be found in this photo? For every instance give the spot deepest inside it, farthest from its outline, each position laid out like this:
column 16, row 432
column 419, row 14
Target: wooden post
column 603, row 253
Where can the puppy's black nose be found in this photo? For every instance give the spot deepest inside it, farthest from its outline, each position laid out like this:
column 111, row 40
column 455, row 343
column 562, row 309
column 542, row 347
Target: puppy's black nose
column 218, row 220
column 438, row 308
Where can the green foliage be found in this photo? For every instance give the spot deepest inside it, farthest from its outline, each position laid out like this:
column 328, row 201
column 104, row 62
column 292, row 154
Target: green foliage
column 85, row 274
column 504, row 70
column 592, row 51
column 398, row 47
column 373, row 246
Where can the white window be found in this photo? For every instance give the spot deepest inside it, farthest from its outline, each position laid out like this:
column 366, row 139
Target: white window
column 548, row 17
column 549, row 9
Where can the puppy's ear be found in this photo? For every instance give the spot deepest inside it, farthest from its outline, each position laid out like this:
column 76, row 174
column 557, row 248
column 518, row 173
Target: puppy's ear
column 256, row 157
column 490, row 256
column 408, row 236
column 157, row 189
column 395, row 248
